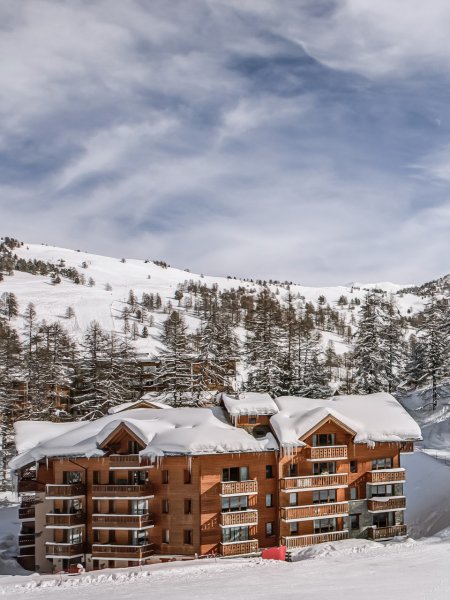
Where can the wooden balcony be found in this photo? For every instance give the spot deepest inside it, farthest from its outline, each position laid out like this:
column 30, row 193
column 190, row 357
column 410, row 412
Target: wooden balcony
column 314, row 511
column 30, row 485
column 27, row 512
column 68, row 490
column 327, row 453
column 118, row 551
column 299, row 541
column 65, row 519
column 244, row 517
column 239, row 488
column 121, row 491
column 237, row 548
column 121, row 521
column 292, row 484
column 384, row 476
column 27, row 539
column 407, row 447
column 384, row 533
column 384, row 504
column 127, row 461
column 64, row 550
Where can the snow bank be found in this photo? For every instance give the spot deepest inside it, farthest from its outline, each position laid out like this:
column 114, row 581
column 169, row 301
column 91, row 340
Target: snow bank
column 373, row 418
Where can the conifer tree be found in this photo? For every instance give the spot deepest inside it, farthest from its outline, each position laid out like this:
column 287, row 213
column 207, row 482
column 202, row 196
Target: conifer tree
column 176, row 358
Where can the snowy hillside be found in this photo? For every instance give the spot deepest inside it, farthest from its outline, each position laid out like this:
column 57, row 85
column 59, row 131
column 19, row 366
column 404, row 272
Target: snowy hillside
column 100, row 303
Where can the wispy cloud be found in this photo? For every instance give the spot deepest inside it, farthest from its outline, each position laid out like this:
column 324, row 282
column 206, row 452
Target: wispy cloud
column 299, row 140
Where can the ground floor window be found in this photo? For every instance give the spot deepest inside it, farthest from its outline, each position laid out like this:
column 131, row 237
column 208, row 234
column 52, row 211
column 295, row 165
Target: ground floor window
column 324, row 525
column 293, row 528
column 269, row 529
column 354, row 522
column 386, row 519
column 235, row 534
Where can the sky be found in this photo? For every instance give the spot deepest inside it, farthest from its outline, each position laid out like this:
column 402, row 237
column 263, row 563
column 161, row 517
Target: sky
column 303, row 140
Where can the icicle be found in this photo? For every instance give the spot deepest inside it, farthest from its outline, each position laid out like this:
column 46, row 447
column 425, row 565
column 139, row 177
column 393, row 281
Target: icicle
column 189, row 462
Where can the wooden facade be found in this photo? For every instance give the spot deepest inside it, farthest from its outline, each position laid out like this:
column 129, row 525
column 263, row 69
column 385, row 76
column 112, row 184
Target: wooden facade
column 122, row 510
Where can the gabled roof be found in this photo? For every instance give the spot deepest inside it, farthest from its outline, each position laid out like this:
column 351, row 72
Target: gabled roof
column 373, row 417
column 143, row 402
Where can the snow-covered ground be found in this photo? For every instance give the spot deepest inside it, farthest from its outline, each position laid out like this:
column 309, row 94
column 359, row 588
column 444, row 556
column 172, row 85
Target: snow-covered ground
column 345, row 571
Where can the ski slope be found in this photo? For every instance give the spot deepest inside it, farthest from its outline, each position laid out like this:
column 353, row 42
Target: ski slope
column 96, row 303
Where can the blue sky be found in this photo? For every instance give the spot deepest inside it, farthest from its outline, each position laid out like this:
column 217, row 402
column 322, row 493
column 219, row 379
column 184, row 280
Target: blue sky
column 293, row 139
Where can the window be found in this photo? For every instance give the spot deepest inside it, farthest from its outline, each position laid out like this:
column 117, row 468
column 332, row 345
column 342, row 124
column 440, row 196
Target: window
column 235, row 474
column 187, row 476
column 187, row 506
column 234, row 503
column 292, row 470
column 293, row 528
column 75, row 536
column 165, row 476
column 165, row 536
column 353, row 493
column 293, row 499
column 139, row 507
column 324, row 468
column 96, row 479
column 70, row 477
column 269, row 529
column 137, row 477
column 133, row 447
column 384, row 519
column 324, row 525
column 354, row 522
column 269, row 500
column 382, row 463
column 165, row 505
column 323, row 496
column 235, row 534
column 187, row 536
column 139, row 538
column 269, row 472
column 382, row 490
column 353, row 466
column 324, row 439
column 252, row 420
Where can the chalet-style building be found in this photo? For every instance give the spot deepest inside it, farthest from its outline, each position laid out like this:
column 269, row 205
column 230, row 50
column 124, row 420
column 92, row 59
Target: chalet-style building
column 146, row 483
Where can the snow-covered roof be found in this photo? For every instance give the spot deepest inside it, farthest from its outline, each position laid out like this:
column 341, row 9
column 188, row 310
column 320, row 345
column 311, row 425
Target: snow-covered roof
column 188, row 431
column 250, row 403
column 373, row 417
column 149, row 402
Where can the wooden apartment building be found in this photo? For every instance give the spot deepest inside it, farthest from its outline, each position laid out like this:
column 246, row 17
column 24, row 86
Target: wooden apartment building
column 146, row 484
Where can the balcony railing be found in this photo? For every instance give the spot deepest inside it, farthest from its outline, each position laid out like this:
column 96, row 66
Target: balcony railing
column 238, row 488
column 121, row 491
column 383, row 533
column 382, row 504
column 327, row 453
column 299, row 541
column 291, row 484
column 28, row 501
column 127, row 461
column 65, row 520
column 383, row 476
column 27, row 512
column 314, row 511
column 245, row 517
column 119, row 551
column 67, row 490
column 121, row 521
column 27, row 539
column 236, row 548
column 65, row 549
column 30, row 485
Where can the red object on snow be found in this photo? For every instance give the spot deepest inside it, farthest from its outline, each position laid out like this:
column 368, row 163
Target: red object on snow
column 277, row 553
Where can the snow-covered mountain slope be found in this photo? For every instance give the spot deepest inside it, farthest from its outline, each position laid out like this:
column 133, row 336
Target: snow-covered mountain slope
column 114, row 278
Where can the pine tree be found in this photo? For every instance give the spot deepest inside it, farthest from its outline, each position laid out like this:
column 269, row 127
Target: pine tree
column 370, row 352
column 176, row 358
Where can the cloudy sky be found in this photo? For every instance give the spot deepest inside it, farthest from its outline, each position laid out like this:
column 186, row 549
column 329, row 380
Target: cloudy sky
column 294, row 139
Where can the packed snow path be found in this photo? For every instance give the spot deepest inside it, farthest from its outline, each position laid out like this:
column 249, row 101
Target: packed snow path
column 345, row 571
